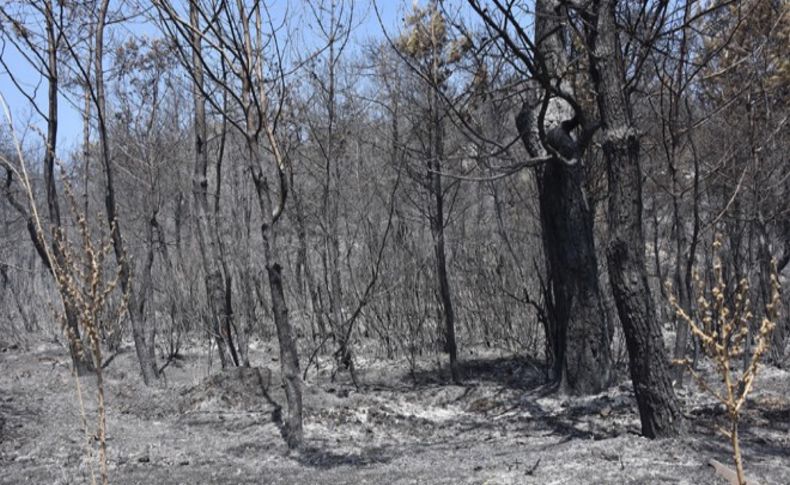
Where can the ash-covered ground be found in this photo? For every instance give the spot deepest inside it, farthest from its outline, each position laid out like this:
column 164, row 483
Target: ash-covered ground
column 503, row 425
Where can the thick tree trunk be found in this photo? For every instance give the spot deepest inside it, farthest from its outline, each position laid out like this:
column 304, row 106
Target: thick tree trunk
column 578, row 331
column 583, row 331
column 659, row 410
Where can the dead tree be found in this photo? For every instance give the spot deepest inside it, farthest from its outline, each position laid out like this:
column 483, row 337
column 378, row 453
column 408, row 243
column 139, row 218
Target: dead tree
column 236, row 39
column 578, row 330
column 658, row 407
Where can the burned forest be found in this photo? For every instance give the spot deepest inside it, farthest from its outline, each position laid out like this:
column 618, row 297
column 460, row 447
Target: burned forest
column 440, row 241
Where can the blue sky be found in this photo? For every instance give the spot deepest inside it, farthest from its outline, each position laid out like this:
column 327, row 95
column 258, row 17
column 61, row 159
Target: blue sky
column 30, row 126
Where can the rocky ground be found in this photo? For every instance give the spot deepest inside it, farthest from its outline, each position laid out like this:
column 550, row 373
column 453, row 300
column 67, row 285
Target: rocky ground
column 502, row 426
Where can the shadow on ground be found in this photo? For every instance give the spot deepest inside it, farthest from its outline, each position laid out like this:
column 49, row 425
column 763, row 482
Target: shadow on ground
column 516, row 373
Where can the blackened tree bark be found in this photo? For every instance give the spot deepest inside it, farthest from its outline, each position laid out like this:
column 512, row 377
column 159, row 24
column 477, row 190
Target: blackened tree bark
column 582, row 334
column 659, row 410
column 578, row 330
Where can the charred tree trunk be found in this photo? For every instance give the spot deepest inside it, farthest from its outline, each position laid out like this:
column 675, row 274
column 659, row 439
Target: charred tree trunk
column 579, row 332
column 583, row 363
column 289, row 357
column 578, row 329
column 659, row 410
